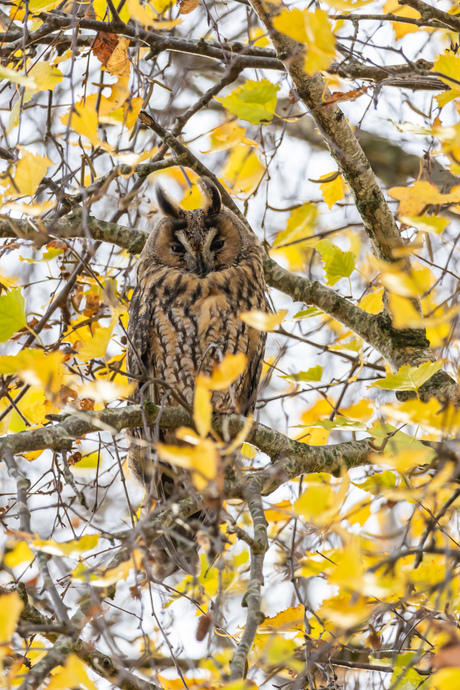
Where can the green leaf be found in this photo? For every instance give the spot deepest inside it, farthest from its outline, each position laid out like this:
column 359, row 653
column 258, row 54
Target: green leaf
column 255, row 101
column 337, row 263
column 404, row 677
column 395, row 441
column 307, row 313
column 377, row 482
column 408, row 378
column 12, row 314
column 313, row 374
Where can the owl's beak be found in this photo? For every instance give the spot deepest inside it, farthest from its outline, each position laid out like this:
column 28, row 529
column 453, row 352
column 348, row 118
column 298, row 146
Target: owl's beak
column 200, row 265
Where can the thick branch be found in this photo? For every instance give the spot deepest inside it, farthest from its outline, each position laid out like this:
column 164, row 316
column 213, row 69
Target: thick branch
column 252, row 57
column 297, row 457
column 342, row 143
column 252, row 598
column 429, row 13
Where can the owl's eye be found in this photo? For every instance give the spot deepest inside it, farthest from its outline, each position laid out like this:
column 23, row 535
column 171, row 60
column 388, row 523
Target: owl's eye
column 217, row 244
column 177, row 248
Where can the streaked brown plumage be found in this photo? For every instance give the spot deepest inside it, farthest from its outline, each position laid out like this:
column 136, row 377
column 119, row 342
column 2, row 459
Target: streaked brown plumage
column 197, row 272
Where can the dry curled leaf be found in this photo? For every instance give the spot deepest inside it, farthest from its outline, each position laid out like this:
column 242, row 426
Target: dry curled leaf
column 187, row 6
column 118, row 63
column 203, row 627
column 93, row 304
column 65, row 394
column 340, row 96
column 74, row 458
column 86, row 404
column 103, row 46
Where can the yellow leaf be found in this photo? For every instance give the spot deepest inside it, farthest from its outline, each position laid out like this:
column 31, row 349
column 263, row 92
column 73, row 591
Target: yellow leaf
column 72, row 548
column 406, row 460
column 400, row 29
column 332, row 191
column 17, row 77
column 262, row 321
column 349, row 573
column 445, row 679
column 291, row 619
column 73, row 674
column 35, row 367
column 193, row 198
column 312, row 29
column 145, row 16
column 131, row 110
column 242, row 171
column 83, row 119
column 414, row 199
column 11, row 606
column 372, row 303
column 202, row 408
column 201, row 459
column 432, row 416
column 448, row 65
column 45, row 76
column 249, row 452
column 258, row 36
column 97, row 346
column 33, row 210
column 30, row 170
column 280, row 512
column 433, row 224
column 118, row 63
column 12, row 315
column 346, row 610
column 21, row 553
column 227, row 371
column 313, row 501
column 302, row 223
column 228, row 135
column 103, row 390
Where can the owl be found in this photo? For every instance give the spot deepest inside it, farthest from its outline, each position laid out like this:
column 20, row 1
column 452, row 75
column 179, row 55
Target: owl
column 197, row 272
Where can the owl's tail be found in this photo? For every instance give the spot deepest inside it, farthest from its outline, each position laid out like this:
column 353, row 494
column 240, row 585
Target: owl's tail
column 176, row 549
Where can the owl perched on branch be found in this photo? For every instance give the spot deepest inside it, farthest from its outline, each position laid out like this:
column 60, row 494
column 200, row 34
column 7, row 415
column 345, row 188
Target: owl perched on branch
column 197, row 272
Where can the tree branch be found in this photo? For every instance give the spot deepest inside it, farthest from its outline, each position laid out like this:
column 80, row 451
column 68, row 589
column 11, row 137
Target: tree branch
column 252, row 598
column 341, row 142
column 397, row 346
column 100, row 663
column 296, row 457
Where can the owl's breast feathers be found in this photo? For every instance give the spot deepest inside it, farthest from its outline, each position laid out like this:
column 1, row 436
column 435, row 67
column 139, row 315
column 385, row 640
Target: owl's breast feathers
column 181, row 325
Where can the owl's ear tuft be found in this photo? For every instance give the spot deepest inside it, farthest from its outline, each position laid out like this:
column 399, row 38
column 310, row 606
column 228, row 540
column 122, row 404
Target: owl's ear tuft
column 213, row 202
column 167, row 206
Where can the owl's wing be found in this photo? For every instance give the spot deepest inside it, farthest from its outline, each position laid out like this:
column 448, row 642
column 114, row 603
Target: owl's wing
column 249, row 384
column 140, row 345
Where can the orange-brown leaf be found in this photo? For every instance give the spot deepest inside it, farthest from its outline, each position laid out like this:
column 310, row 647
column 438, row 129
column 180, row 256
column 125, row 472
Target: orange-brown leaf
column 103, row 46
column 187, row 6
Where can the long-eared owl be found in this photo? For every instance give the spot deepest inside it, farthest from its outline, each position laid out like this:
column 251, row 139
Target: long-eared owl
column 197, row 272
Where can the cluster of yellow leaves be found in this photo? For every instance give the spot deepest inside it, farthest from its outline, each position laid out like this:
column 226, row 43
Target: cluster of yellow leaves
column 313, row 29
column 408, row 289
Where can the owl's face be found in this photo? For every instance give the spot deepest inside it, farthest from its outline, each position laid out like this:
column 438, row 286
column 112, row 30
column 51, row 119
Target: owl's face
column 198, row 242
